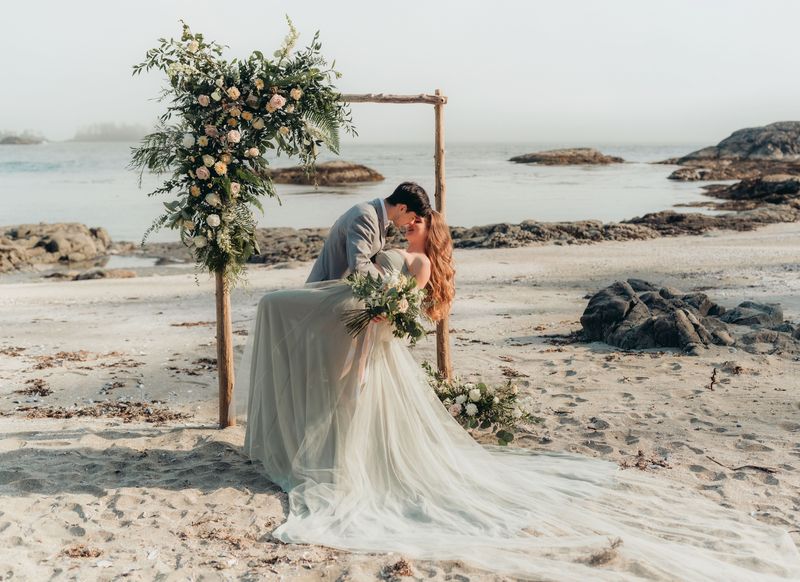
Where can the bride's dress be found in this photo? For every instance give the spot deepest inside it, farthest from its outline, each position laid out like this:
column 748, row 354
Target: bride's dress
column 372, row 461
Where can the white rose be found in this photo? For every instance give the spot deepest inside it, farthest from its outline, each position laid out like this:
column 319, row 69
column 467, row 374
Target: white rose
column 253, row 152
column 193, row 46
column 200, row 241
column 208, row 160
column 461, row 399
column 220, row 82
column 216, row 95
column 475, row 394
column 213, row 220
column 234, row 136
column 258, row 123
column 296, row 93
column 213, row 199
column 516, row 413
column 235, row 189
column 496, row 400
column 188, row 140
column 472, row 410
column 469, row 386
column 402, row 305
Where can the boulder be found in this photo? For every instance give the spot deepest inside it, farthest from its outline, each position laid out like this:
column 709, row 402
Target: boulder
column 104, row 274
column 769, row 189
column 567, row 157
column 326, row 174
column 27, row 244
column 754, row 314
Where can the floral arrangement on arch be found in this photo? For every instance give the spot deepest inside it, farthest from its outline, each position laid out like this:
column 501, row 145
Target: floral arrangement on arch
column 222, row 117
column 483, row 406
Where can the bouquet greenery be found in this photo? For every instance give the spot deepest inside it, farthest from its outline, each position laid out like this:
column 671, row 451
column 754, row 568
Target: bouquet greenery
column 222, row 117
column 393, row 296
column 482, row 406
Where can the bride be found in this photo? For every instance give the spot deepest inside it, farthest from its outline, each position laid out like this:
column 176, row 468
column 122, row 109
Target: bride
column 373, row 462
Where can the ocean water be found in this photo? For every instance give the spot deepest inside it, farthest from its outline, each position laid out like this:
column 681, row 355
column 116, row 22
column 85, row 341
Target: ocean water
column 89, row 183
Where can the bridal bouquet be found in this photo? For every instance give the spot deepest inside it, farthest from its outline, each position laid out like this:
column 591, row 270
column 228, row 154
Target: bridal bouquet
column 482, row 406
column 393, row 296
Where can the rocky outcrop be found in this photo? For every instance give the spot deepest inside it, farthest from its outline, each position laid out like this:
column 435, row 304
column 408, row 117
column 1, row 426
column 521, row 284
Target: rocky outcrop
column 567, row 157
column 635, row 314
column 671, row 223
column 745, row 154
column 772, row 189
column 20, row 140
column 29, row 244
column 326, row 174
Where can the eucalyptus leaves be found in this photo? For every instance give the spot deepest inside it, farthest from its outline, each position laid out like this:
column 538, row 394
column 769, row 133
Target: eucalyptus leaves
column 222, row 117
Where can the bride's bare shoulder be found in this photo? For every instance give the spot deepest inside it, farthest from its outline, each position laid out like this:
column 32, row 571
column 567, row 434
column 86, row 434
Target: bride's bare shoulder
column 420, row 266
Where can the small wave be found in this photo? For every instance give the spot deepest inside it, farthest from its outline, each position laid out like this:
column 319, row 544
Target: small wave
column 30, row 167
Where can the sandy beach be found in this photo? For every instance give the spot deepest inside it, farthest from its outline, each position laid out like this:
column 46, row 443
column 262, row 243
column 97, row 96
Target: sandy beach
column 115, row 497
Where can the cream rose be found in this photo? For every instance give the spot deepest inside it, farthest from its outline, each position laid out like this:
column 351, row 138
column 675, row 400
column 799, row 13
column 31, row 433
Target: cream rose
column 188, row 140
column 193, row 46
column 200, row 241
column 289, row 108
column 233, row 93
column 475, row 394
column 496, row 400
column 258, row 123
column 296, row 93
column 221, row 168
column 213, row 220
column 234, row 136
column 220, row 82
column 402, row 305
column 202, row 173
column 213, row 199
column 276, row 102
column 225, row 158
column 247, row 116
column 253, row 152
column 208, row 161
column 284, row 131
column 216, row 95
column 235, row 112
column 235, row 189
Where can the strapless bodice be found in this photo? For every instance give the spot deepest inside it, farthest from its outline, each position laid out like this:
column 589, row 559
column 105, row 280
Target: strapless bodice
column 392, row 260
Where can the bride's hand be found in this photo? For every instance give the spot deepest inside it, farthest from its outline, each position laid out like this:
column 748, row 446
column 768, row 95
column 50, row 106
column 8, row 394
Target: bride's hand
column 379, row 319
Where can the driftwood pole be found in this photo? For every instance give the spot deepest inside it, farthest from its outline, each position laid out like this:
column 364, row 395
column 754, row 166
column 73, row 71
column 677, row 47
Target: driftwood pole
column 224, row 352
column 438, row 101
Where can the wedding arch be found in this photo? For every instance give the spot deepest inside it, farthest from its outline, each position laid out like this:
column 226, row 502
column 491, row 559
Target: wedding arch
column 225, row 363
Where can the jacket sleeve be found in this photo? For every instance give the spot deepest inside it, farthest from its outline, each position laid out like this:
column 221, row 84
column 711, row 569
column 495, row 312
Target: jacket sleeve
column 360, row 236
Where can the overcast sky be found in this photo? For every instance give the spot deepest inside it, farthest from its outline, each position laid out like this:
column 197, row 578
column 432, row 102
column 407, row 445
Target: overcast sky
column 566, row 71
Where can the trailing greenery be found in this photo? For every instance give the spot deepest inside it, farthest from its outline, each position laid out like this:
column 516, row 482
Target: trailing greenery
column 221, row 118
column 482, row 406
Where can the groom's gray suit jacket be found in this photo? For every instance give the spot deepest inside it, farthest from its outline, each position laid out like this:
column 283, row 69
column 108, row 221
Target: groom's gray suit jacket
column 355, row 238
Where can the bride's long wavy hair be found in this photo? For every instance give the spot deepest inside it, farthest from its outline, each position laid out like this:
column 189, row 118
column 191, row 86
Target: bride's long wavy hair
column 439, row 250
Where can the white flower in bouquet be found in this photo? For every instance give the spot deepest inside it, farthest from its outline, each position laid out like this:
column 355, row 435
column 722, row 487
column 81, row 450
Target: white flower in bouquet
column 258, row 123
column 253, row 152
column 475, row 394
column 203, row 100
column 514, row 389
column 188, row 225
column 289, row 108
column 199, row 241
column 402, row 305
column 284, row 131
column 216, row 95
column 461, row 399
column 455, row 409
column 213, row 220
column 208, row 160
column 235, row 112
column 202, row 173
column 233, row 93
column 235, row 189
column 221, row 168
column 469, row 386
column 259, row 84
column 220, row 82
column 234, row 136
column 490, row 390
column 193, row 46
column 496, row 400
column 213, row 199
column 188, row 140
column 296, row 93
column 471, row 409
column 517, row 412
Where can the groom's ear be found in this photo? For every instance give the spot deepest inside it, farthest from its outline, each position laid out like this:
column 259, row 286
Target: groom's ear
column 402, row 208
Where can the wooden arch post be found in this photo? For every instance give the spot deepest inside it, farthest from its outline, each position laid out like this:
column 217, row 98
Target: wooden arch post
column 224, row 335
column 438, row 101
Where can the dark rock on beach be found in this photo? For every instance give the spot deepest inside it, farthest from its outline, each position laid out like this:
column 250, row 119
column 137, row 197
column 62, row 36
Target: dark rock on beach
column 326, row 174
column 754, row 192
column 567, row 157
column 27, row 244
column 635, row 314
column 745, row 154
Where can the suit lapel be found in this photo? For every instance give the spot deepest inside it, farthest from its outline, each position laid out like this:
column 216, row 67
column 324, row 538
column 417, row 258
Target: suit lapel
column 381, row 222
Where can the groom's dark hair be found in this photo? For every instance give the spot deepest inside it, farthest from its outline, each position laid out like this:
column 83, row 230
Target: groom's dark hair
column 413, row 196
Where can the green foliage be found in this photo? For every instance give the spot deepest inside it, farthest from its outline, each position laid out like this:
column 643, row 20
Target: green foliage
column 221, row 117
column 496, row 408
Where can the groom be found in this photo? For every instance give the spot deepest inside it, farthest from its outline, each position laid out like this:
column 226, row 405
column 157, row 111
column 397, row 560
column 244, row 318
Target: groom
column 358, row 234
